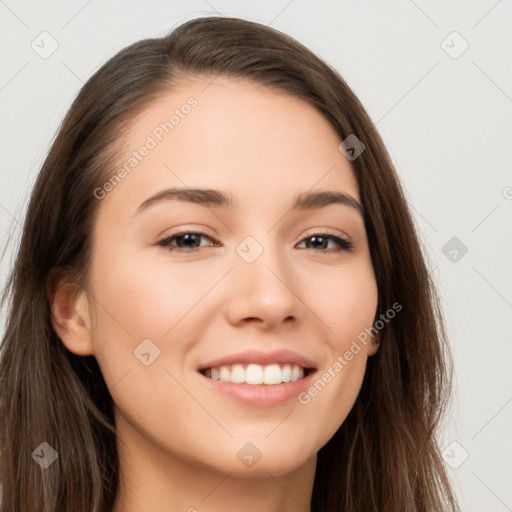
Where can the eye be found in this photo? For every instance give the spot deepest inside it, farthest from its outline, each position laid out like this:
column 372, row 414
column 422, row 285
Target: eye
column 185, row 241
column 319, row 241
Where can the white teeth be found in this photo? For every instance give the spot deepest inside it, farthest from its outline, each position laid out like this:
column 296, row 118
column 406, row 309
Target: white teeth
column 286, row 373
column 297, row 373
column 272, row 374
column 237, row 373
column 224, row 374
column 256, row 374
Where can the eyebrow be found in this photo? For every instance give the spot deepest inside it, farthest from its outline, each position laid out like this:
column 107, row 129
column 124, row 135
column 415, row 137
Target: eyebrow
column 216, row 199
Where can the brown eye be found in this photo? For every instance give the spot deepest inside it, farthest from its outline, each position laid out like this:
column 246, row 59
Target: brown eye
column 321, row 240
column 186, row 241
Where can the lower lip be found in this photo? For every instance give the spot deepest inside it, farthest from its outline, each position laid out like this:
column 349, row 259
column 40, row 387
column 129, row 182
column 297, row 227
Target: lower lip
column 260, row 395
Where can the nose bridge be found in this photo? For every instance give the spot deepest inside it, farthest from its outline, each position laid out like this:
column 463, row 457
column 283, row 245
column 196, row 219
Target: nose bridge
column 262, row 281
column 258, row 258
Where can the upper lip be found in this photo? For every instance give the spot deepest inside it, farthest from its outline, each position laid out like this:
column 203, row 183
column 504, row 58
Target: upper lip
column 263, row 358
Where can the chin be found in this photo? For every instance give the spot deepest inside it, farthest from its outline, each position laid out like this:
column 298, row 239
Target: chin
column 258, row 456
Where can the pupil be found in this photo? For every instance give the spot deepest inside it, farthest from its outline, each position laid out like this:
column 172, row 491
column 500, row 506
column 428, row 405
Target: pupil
column 189, row 238
column 316, row 238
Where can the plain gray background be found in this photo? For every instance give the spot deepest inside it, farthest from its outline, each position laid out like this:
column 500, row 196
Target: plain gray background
column 444, row 111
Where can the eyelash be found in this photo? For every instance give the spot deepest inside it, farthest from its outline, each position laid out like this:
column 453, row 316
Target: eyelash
column 343, row 243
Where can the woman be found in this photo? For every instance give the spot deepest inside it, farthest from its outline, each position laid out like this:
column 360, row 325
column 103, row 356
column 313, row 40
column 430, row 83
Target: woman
column 296, row 360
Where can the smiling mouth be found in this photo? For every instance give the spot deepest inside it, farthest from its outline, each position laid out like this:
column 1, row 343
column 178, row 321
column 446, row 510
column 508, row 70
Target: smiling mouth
column 257, row 374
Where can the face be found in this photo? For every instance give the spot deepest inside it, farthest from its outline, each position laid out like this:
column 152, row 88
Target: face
column 214, row 321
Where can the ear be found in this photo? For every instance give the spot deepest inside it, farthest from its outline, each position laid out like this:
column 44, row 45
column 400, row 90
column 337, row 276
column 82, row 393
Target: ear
column 374, row 345
column 70, row 316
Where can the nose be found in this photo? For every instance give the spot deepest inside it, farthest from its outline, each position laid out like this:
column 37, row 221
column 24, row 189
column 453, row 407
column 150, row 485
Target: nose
column 265, row 292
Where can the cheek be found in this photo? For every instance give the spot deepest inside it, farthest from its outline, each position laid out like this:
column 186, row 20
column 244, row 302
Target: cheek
column 347, row 307
column 146, row 300
column 149, row 298
column 346, row 303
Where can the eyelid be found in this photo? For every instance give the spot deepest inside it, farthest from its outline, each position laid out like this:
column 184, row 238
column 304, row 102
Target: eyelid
column 308, row 233
column 200, row 230
column 342, row 241
column 327, row 231
column 182, row 232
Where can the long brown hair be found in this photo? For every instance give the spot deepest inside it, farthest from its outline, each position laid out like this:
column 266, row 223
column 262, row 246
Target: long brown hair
column 384, row 457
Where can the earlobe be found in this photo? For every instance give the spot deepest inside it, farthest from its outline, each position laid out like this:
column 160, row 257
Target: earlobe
column 70, row 315
column 374, row 346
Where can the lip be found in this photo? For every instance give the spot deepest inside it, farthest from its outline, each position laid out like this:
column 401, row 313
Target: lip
column 260, row 395
column 262, row 358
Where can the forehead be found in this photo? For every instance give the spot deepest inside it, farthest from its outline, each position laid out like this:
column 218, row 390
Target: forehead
column 231, row 134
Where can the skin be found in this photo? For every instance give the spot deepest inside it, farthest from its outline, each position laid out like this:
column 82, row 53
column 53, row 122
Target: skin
column 178, row 440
